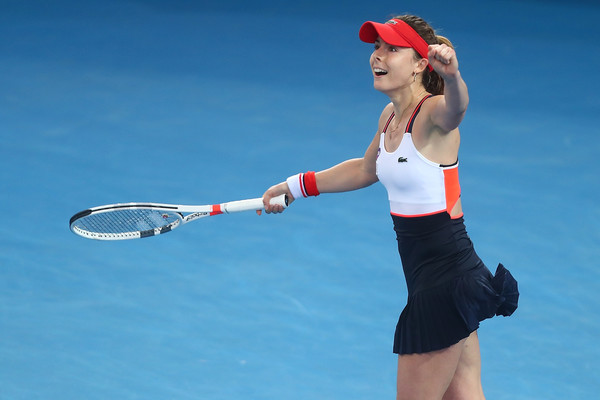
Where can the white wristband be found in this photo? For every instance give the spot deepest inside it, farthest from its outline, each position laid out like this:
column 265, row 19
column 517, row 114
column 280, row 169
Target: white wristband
column 295, row 184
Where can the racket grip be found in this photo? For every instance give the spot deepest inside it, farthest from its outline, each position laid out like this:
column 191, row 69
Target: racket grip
column 281, row 200
column 252, row 204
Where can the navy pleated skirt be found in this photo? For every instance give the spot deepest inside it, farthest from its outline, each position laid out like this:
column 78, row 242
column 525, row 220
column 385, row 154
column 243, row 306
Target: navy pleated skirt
column 450, row 290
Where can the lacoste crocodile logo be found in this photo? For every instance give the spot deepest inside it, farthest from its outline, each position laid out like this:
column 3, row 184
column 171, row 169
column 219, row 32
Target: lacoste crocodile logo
column 402, row 159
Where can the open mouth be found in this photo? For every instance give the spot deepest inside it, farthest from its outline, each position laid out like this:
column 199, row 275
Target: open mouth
column 379, row 71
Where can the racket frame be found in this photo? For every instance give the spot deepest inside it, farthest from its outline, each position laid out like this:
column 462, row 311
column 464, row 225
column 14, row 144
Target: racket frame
column 191, row 213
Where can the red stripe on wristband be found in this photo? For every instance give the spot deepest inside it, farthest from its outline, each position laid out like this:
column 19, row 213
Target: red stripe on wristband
column 302, row 188
column 310, row 184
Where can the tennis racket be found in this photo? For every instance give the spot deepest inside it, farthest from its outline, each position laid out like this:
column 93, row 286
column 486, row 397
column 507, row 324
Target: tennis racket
column 140, row 220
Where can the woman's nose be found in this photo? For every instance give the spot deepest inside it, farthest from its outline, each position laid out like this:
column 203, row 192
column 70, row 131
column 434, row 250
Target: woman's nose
column 377, row 54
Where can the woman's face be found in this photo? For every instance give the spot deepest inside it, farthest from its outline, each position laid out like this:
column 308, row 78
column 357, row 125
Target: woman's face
column 392, row 66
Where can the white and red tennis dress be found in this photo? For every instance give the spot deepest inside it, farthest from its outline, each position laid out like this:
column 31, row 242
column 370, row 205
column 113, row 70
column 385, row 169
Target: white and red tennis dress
column 416, row 186
column 450, row 290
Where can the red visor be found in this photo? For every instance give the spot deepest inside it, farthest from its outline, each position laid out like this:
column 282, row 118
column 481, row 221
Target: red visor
column 395, row 32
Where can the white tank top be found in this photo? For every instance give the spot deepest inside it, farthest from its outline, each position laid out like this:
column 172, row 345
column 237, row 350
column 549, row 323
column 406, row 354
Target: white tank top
column 416, row 186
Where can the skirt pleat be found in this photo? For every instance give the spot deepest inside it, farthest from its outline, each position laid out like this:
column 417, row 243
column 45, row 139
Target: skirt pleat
column 438, row 317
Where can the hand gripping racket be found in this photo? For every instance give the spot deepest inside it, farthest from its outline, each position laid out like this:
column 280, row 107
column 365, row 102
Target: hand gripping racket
column 140, row 220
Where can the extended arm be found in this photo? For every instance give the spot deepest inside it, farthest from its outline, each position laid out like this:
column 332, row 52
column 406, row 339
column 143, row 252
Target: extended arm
column 449, row 110
column 349, row 175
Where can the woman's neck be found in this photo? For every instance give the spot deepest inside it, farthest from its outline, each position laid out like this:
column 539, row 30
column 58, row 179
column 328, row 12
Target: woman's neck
column 407, row 100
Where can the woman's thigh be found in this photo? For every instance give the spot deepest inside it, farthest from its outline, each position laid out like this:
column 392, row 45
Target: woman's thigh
column 427, row 376
column 466, row 383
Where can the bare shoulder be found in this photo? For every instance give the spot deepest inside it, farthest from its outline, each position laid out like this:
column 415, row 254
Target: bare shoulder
column 440, row 115
column 434, row 142
column 431, row 103
column 429, row 109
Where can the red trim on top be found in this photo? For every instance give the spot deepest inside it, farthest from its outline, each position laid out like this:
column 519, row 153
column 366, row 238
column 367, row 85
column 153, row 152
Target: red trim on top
column 415, row 112
column 388, row 122
column 427, row 214
column 417, row 215
column 452, row 188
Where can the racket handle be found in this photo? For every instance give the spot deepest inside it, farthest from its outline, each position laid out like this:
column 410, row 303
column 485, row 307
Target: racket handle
column 281, row 200
column 253, row 204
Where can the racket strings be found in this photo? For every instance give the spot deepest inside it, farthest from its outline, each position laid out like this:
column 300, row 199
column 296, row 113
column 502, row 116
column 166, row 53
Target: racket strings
column 128, row 220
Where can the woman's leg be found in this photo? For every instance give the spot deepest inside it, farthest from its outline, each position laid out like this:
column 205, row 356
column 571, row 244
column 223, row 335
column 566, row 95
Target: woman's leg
column 428, row 376
column 466, row 383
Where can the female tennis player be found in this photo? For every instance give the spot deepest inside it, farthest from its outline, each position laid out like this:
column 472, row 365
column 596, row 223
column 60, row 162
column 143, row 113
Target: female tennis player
column 415, row 155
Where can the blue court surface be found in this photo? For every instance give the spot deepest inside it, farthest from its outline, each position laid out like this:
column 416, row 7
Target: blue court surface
column 195, row 102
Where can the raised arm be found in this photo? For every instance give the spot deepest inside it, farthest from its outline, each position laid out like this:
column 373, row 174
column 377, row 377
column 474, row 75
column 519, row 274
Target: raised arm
column 449, row 110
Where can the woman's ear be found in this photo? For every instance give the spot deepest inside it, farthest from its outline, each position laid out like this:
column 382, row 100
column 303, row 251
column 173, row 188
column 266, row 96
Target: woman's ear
column 421, row 65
